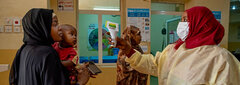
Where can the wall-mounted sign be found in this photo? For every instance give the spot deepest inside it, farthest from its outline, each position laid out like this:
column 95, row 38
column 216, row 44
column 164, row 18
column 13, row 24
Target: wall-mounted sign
column 17, row 29
column 16, row 21
column 8, row 28
column 11, row 24
column 217, row 15
column 8, row 21
column 65, row 5
column 140, row 17
column 4, row 67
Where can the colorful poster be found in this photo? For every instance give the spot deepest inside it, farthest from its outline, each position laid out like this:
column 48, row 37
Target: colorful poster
column 140, row 17
column 93, row 37
column 217, row 15
column 65, row 5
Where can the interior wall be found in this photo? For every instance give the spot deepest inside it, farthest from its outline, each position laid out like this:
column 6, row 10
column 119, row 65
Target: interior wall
column 10, row 42
column 65, row 17
column 13, row 8
column 223, row 6
column 125, row 4
column 6, row 57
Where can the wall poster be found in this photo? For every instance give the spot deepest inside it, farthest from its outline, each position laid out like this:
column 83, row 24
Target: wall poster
column 65, row 5
column 93, row 37
column 140, row 17
column 217, row 15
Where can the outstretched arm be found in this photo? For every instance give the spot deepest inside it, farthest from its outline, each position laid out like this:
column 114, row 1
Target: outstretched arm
column 144, row 63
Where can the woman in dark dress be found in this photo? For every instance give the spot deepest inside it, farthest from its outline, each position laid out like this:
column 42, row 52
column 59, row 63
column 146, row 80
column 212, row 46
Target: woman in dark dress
column 36, row 62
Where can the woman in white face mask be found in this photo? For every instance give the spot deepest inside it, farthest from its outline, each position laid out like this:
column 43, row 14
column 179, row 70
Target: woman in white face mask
column 193, row 59
column 183, row 28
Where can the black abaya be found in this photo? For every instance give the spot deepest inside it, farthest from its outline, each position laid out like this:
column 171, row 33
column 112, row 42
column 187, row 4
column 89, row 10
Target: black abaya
column 36, row 62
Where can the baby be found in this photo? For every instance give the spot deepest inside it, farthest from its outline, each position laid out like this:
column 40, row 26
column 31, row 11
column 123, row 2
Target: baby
column 66, row 50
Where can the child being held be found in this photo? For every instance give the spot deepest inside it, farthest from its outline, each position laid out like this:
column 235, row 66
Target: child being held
column 66, row 50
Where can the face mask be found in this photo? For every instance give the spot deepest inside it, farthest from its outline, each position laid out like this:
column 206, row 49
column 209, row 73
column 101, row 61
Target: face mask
column 182, row 30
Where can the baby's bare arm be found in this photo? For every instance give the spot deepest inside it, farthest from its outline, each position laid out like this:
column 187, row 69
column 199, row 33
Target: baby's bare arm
column 67, row 63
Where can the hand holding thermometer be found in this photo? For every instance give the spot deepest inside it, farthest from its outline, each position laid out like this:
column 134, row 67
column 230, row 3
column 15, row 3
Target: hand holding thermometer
column 113, row 29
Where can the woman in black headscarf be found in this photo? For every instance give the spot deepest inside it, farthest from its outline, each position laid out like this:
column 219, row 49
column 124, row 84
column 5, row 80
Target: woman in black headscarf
column 36, row 62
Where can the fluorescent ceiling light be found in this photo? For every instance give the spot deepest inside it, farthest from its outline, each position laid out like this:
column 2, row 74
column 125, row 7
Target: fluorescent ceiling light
column 106, row 9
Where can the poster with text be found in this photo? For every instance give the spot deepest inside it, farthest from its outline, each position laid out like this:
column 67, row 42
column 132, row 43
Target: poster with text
column 217, row 15
column 65, row 5
column 140, row 17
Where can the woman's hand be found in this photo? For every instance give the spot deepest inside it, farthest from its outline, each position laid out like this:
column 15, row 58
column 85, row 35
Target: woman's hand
column 83, row 74
column 121, row 44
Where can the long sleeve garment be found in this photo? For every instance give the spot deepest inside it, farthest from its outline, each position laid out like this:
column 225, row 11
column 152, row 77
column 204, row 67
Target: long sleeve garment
column 36, row 62
column 40, row 65
column 203, row 65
